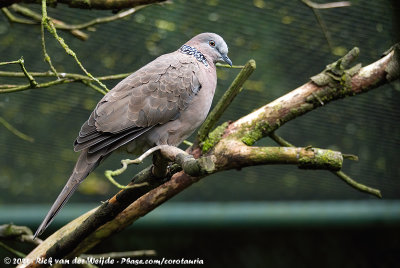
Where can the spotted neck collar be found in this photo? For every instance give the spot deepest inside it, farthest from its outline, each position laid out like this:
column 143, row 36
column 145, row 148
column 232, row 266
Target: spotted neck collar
column 185, row 49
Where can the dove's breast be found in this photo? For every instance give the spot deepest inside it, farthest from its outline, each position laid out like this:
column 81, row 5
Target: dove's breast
column 176, row 131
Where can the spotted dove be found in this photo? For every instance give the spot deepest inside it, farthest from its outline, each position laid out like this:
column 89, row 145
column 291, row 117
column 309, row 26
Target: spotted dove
column 161, row 103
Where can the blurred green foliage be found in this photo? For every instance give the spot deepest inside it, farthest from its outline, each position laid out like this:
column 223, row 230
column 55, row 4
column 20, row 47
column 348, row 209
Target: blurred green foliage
column 288, row 46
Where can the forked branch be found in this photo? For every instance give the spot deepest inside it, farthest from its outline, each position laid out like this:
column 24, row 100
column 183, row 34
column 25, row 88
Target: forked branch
column 232, row 149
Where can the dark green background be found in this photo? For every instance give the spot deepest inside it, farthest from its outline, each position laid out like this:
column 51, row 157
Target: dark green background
column 288, row 46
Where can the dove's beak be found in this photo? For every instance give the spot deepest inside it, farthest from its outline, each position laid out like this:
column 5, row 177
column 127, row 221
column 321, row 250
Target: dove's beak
column 227, row 60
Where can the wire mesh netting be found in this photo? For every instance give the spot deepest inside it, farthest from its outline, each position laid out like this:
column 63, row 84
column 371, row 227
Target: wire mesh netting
column 289, row 47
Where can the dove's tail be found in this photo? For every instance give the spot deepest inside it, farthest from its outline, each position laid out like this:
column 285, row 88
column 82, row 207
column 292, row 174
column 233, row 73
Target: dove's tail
column 86, row 163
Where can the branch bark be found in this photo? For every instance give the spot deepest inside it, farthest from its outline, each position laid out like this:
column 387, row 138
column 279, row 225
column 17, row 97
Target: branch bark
column 232, row 150
column 332, row 84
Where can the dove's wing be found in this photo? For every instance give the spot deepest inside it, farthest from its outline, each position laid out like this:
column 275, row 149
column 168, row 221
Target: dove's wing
column 153, row 95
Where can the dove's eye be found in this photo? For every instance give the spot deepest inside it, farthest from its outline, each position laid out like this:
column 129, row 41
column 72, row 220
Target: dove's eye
column 211, row 43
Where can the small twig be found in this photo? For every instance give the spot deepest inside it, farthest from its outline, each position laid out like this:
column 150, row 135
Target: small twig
column 12, row 18
column 350, row 157
column 110, row 173
column 218, row 64
column 41, row 85
column 125, row 163
column 226, row 100
column 102, row 19
column 45, row 55
column 31, row 80
column 324, row 29
column 74, row 29
column 357, row 185
column 168, row 152
column 37, row 19
column 13, row 251
column 73, row 76
column 52, row 29
column 65, row 78
column 10, row 62
column 340, row 174
column 315, row 8
column 15, row 131
column 279, row 140
column 7, row 86
column 89, row 84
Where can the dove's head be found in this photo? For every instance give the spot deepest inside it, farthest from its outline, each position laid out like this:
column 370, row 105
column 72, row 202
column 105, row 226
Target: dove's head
column 212, row 46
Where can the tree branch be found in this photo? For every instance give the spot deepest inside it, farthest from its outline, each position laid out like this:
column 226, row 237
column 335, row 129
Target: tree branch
column 338, row 173
column 74, row 29
column 233, row 154
column 11, row 250
column 32, row 81
column 15, row 19
column 15, row 131
column 234, row 89
column 64, row 78
column 315, row 9
column 302, row 100
column 18, row 233
column 52, row 29
column 16, row 88
column 96, row 21
column 132, row 203
column 36, row 18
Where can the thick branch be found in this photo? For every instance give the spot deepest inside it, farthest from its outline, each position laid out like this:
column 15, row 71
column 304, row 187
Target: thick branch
column 308, row 97
column 67, row 238
column 231, row 154
column 99, row 224
column 143, row 205
column 131, row 203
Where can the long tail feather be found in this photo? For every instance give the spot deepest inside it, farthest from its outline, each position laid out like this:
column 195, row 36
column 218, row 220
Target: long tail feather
column 85, row 164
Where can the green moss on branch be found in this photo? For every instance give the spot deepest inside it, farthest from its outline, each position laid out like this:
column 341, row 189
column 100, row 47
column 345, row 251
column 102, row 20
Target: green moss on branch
column 213, row 137
column 321, row 159
column 233, row 90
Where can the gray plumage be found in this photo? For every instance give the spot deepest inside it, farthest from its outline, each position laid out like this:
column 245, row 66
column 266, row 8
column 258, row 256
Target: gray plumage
column 161, row 103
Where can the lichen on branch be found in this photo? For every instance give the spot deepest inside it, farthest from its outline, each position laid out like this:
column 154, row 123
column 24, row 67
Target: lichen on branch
column 232, row 153
column 302, row 100
column 231, row 150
